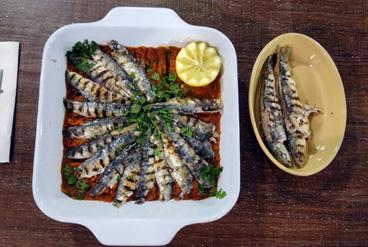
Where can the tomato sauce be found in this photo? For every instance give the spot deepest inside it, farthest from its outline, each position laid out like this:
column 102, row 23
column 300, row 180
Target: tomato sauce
column 161, row 60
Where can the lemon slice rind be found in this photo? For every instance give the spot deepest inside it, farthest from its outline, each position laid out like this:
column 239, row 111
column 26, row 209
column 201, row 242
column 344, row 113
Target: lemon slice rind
column 198, row 64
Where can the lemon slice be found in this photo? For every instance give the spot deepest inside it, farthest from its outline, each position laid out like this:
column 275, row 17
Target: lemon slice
column 198, row 64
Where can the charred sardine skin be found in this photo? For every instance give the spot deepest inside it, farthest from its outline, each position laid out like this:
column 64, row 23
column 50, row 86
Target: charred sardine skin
column 180, row 172
column 163, row 177
column 296, row 115
column 271, row 114
column 130, row 179
column 123, row 81
column 95, row 108
column 133, row 68
column 86, row 150
column 94, row 128
column 189, row 105
column 111, row 174
column 202, row 148
column 92, row 90
column 147, row 176
column 96, row 164
column 201, row 130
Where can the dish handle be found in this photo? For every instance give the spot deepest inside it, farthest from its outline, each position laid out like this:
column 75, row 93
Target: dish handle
column 134, row 232
column 148, row 17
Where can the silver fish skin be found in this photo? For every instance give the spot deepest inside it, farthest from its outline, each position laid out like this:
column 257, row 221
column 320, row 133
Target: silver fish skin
column 91, row 90
column 296, row 115
column 164, row 180
column 271, row 114
column 189, row 105
column 201, row 130
column 189, row 156
column 95, row 108
column 162, row 173
column 102, row 75
column 123, row 81
column 130, row 179
column 147, row 176
column 133, row 68
column 179, row 170
column 94, row 128
column 86, row 150
column 111, row 174
column 97, row 163
column 202, row 148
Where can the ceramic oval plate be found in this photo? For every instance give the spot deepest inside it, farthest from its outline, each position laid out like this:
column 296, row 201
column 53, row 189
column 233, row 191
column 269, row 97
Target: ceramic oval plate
column 319, row 84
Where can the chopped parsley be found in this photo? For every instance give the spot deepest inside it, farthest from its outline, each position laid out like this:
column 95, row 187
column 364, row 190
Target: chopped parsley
column 82, row 186
column 135, row 108
column 81, row 53
column 187, row 131
column 209, row 175
column 155, row 76
column 220, row 194
column 73, row 181
column 148, row 68
column 132, row 76
column 167, row 88
column 158, row 151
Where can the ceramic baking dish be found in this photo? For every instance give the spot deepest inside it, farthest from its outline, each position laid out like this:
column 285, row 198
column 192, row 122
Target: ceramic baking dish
column 153, row 223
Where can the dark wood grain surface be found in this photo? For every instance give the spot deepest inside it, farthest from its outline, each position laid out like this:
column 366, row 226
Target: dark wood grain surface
column 274, row 208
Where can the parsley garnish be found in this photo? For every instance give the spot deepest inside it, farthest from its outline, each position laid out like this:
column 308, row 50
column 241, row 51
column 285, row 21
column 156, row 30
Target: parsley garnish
column 132, row 76
column 135, row 108
column 209, row 175
column 167, row 88
column 82, row 186
column 220, row 194
column 155, row 76
column 171, row 77
column 187, row 131
column 73, row 181
column 81, row 53
column 148, row 68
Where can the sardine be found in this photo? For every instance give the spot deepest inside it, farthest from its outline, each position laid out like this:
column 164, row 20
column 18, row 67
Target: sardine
column 296, row 115
column 271, row 114
column 201, row 130
column 202, row 148
column 132, row 67
column 94, row 128
column 95, row 108
column 86, row 150
column 189, row 156
column 164, row 180
column 162, row 173
column 96, row 163
column 112, row 173
column 129, row 180
column 123, row 81
column 180, row 172
column 189, row 106
column 92, row 90
column 147, row 176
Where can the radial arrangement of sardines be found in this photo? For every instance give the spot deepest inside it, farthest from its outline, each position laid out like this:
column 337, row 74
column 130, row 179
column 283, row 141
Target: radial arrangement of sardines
column 133, row 131
column 284, row 118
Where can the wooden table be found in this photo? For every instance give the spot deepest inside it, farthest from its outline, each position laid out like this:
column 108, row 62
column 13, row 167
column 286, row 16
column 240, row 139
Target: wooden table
column 274, row 208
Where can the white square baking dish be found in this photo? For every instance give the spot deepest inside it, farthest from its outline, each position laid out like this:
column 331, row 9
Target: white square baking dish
column 153, row 223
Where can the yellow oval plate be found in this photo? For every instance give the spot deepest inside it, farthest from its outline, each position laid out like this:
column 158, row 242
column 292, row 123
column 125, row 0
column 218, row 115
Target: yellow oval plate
column 319, row 84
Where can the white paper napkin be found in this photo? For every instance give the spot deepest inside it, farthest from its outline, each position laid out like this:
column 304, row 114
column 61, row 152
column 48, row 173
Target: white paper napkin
column 9, row 65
